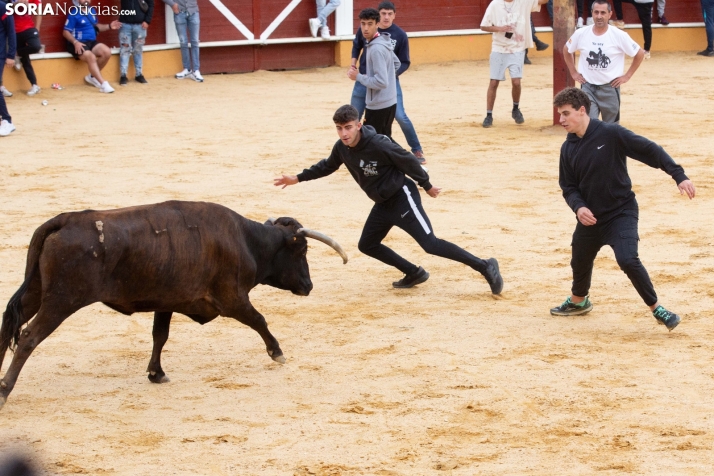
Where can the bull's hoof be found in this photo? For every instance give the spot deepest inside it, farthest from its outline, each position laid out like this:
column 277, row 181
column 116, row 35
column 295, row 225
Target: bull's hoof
column 277, row 356
column 2, row 401
column 158, row 378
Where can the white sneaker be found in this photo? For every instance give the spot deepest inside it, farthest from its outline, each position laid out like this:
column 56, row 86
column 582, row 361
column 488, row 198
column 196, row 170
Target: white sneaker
column 314, row 26
column 5, row 92
column 106, row 88
column 197, row 76
column 590, row 21
column 92, row 81
column 34, row 90
column 647, row 54
column 183, row 74
column 6, row 128
column 580, row 22
column 325, row 33
column 18, row 63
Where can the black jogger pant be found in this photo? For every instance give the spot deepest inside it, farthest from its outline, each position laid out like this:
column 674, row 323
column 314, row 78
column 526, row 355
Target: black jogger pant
column 381, row 119
column 404, row 210
column 644, row 12
column 28, row 43
column 621, row 234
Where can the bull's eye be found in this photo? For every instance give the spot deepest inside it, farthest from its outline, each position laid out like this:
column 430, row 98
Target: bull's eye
column 294, row 238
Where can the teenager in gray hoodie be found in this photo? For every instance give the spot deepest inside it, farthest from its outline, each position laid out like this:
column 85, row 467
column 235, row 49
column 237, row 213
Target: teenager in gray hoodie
column 381, row 78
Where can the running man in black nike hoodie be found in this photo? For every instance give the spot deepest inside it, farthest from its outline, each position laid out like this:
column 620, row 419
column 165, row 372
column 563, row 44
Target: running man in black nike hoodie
column 379, row 167
column 596, row 186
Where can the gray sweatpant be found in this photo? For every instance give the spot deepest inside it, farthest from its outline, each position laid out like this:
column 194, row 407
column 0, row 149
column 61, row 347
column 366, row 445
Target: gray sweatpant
column 605, row 100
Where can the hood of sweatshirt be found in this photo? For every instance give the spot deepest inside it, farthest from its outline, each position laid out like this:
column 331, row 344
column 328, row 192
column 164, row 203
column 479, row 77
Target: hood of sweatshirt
column 367, row 134
column 384, row 39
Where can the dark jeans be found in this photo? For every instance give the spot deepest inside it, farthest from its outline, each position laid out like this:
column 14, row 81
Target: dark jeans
column 381, row 119
column 4, row 114
column 404, row 210
column 28, row 43
column 621, row 234
column 708, row 12
column 644, row 12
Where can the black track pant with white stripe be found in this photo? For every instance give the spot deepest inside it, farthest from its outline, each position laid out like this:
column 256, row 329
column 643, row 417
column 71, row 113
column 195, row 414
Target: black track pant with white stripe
column 404, row 210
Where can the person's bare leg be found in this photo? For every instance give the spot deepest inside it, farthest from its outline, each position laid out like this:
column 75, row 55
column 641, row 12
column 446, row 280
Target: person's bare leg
column 491, row 95
column 516, row 91
column 103, row 54
column 91, row 60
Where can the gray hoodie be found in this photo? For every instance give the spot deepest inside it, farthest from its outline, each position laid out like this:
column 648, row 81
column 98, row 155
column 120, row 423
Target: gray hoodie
column 381, row 77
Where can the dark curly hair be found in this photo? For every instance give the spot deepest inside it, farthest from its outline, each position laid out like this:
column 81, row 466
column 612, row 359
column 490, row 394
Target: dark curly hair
column 574, row 97
column 369, row 14
column 345, row 114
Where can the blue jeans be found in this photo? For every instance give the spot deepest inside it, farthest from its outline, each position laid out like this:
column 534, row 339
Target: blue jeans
column 187, row 26
column 325, row 9
column 708, row 12
column 359, row 101
column 131, row 40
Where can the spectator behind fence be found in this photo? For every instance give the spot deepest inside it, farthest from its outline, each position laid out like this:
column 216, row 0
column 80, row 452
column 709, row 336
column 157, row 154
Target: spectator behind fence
column 7, row 58
column 660, row 12
column 132, row 36
column 27, row 33
column 324, row 10
column 644, row 12
column 188, row 24
column 80, row 31
column 708, row 12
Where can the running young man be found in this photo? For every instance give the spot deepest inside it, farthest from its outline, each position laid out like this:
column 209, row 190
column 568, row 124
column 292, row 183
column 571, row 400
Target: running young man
column 602, row 62
column 596, row 186
column 379, row 167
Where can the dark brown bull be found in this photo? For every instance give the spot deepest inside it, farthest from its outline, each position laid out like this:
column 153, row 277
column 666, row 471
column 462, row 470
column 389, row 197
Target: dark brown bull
column 194, row 258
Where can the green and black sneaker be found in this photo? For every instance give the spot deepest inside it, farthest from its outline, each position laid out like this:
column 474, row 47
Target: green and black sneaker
column 666, row 318
column 569, row 308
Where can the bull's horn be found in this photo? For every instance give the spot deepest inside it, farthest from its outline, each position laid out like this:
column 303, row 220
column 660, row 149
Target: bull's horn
column 272, row 220
column 325, row 239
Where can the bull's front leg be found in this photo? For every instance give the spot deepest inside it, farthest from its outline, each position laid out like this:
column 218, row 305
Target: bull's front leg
column 249, row 316
column 162, row 321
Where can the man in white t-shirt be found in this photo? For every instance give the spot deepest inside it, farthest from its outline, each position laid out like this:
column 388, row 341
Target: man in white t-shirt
column 602, row 62
column 510, row 23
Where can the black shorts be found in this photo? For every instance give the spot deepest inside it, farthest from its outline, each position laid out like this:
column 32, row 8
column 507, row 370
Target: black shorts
column 88, row 45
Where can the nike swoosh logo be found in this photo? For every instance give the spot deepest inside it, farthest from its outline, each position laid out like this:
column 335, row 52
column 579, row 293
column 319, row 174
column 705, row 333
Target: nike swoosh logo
column 601, row 147
column 405, row 213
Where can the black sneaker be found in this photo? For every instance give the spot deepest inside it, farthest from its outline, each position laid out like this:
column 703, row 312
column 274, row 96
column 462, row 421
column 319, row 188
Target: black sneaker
column 706, row 52
column 411, row 280
column 141, row 79
column 123, row 81
column 488, row 122
column 568, row 308
column 666, row 318
column 517, row 115
column 541, row 46
column 493, row 276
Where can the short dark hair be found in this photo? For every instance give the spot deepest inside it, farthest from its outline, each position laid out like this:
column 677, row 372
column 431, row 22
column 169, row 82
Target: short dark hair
column 601, row 2
column 574, row 97
column 369, row 14
column 387, row 6
column 345, row 114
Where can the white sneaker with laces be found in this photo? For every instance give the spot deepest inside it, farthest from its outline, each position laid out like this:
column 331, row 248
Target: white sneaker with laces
column 106, row 88
column 18, row 63
column 5, row 92
column 183, row 74
column 197, row 76
column 34, row 90
column 325, row 33
column 647, row 54
column 590, row 21
column 580, row 22
column 92, row 81
column 314, row 26
column 6, row 128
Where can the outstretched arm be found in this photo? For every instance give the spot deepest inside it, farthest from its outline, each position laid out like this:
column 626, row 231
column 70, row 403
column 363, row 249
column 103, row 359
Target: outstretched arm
column 285, row 180
column 686, row 186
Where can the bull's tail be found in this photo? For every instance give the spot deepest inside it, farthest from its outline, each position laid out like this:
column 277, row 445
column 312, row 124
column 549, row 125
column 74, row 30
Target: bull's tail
column 12, row 318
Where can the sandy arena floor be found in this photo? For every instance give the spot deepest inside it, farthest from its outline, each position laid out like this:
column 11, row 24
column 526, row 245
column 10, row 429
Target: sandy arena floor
column 439, row 379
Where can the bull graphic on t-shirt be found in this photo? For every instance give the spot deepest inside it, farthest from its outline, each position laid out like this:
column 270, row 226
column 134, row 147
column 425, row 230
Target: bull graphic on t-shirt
column 597, row 60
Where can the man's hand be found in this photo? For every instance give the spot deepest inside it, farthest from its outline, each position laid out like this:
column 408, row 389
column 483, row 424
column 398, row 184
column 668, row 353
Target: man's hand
column 433, row 192
column 10, row 62
column 579, row 78
column 116, row 24
column 688, row 187
column 285, row 180
column 617, row 82
column 352, row 73
column 175, row 8
column 79, row 48
column 585, row 216
column 145, row 25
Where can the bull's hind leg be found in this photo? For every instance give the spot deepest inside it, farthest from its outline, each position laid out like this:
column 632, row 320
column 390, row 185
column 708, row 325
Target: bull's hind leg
column 249, row 316
column 162, row 321
column 48, row 318
column 30, row 304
